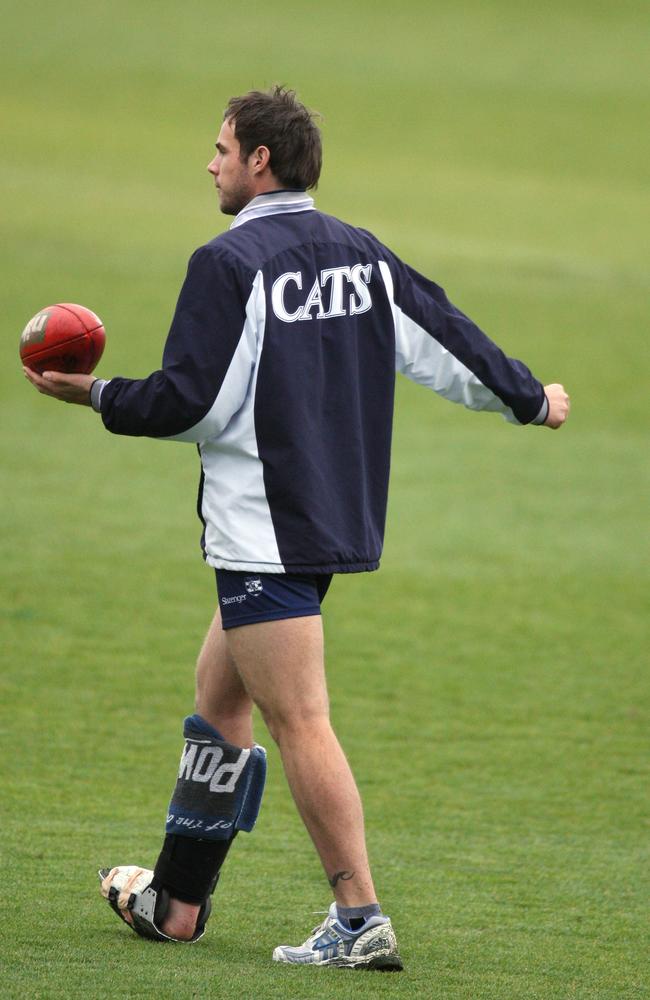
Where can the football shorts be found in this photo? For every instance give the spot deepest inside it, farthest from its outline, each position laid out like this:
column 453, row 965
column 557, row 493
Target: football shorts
column 247, row 598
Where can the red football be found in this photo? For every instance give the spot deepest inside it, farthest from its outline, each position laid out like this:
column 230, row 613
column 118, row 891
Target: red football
column 63, row 338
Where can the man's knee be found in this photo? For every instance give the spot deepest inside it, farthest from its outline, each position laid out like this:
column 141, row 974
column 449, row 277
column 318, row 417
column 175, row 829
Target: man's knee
column 294, row 722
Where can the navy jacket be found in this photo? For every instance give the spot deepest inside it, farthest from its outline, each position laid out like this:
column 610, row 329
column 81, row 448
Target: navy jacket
column 280, row 364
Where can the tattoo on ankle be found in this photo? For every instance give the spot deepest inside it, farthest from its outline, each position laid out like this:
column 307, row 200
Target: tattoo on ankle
column 345, row 876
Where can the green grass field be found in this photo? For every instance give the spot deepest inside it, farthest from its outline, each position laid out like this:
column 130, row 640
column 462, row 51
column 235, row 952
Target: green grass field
column 490, row 684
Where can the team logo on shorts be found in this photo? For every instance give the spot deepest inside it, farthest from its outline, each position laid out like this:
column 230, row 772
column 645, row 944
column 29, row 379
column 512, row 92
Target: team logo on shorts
column 253, row 585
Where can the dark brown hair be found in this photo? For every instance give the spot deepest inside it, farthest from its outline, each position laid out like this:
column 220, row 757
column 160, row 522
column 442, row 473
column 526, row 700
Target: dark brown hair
column 278, row 120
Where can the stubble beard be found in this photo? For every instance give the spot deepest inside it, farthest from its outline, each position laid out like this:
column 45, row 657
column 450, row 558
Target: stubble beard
column 231, row 202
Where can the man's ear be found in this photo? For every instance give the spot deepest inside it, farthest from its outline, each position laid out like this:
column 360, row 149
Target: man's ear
column 259, row 159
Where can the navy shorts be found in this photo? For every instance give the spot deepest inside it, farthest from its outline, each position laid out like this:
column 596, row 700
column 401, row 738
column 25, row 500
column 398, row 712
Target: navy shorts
column 246, row 598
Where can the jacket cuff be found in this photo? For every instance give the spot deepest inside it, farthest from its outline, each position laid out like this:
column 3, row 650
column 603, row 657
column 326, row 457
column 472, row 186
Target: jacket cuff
column 96, row 390
column 542, row 415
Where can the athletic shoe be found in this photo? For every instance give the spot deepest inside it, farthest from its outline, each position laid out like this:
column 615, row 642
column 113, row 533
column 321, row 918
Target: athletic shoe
column 373, row 946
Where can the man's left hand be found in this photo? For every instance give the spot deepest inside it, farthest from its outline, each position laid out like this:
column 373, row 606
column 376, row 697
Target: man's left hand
column 60, row 385
column 559, row 405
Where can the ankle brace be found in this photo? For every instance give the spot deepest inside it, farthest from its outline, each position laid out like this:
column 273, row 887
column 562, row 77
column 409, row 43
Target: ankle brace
column 189, row 868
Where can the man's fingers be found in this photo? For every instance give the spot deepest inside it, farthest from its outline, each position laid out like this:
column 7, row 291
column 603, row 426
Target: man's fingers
column 68, row 380
column 40, row 382
column 37, row 381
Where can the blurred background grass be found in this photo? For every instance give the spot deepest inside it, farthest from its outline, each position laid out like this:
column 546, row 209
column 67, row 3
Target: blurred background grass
column 490, row 684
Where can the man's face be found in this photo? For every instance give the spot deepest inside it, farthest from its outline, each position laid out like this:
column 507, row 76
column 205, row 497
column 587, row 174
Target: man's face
column 233, row 179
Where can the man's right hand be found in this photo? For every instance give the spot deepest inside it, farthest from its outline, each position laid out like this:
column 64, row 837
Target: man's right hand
column 67, row 387
column 559, row 405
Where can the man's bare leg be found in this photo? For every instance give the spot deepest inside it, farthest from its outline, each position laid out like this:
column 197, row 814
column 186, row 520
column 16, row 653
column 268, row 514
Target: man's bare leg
column 282, row 666
column 221, row 700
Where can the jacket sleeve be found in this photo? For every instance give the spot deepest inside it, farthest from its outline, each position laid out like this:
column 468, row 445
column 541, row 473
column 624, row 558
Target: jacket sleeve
column 439, row 347
column 207, row 360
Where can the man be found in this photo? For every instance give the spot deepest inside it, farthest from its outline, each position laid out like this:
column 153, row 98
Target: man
column 280, row 364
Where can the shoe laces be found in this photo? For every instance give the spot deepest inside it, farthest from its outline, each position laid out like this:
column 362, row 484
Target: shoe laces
column 323, row 924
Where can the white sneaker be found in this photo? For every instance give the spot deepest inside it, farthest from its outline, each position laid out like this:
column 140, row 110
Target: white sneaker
column 373, row 946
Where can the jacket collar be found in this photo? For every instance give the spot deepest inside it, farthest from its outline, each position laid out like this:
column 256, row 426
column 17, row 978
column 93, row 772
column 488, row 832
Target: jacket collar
column 274, row 203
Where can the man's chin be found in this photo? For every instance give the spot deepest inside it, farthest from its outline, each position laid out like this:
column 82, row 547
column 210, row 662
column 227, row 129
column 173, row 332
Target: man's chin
column 230, row 207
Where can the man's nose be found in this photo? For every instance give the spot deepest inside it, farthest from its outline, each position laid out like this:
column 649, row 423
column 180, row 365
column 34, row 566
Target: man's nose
column 213, row 166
